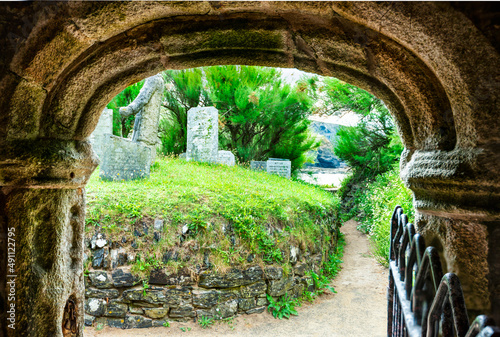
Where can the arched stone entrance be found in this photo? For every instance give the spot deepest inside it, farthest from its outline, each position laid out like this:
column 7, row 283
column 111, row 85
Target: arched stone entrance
column 436, row 65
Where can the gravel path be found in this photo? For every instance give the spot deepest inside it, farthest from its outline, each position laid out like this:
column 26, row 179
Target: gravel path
column 358, row 308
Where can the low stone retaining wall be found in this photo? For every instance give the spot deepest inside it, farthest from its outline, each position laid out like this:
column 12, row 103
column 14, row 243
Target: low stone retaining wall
column 119, row 299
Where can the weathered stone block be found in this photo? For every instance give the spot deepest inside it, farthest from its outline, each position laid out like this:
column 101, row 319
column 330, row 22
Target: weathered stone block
column 160, row 276
column 135, row 310
column 100, row 279
column 177, row 295
column 95, row 306
column 101, row 293
column 226, row 309
column 145, row 297
column 124, row 279
column 116, row 322
column 182, row 311
column 205, row 298
column 280, row 287
column 116, row 309
column 137, row 322
column 156, row 312
column 301, row 268
column 233, row 278
column 262, row 301
column 98, row 258
column 124, row 160
column 255, row 289
column 245, row 304
column 273, row 273
column 255, row 310
column 202, row 134
column 88, row 320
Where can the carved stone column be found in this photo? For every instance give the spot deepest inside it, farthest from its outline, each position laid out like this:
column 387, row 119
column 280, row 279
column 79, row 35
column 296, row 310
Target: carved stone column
column 457, row 199
column 42, row 214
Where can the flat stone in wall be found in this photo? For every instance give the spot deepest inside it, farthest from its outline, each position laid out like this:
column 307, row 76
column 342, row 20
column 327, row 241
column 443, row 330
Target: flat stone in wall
column 124, row 160
column 202, row 135
column 281, row 167
column 226, row 158
column 104, row 126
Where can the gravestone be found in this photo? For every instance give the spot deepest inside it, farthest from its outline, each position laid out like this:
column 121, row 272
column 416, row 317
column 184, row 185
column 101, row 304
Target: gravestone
column 202, row 135
column 124, row 159
column 258, row 165
column 281, row 167
column 146, row 108
column 104, row 126
column 226, row 158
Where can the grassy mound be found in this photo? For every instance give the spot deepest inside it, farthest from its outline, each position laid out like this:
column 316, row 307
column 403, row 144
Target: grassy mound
column 229, row 215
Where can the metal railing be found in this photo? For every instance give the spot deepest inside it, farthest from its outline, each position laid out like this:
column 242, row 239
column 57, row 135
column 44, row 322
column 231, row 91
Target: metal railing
column 422, row 302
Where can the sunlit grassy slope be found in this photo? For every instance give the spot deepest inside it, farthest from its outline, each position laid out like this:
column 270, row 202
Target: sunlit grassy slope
column 233, row 210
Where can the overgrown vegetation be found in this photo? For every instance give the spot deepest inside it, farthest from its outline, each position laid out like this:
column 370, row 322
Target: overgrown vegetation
column 230, row 212
column 260, row 116
column 372, row 149
column 124, row 98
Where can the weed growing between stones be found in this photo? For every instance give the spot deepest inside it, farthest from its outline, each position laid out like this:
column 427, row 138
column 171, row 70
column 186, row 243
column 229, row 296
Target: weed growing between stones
column 284, row 307
column 205, row 322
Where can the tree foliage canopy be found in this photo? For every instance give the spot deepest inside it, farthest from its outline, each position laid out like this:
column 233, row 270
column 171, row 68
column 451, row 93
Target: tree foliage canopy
column 260, row 116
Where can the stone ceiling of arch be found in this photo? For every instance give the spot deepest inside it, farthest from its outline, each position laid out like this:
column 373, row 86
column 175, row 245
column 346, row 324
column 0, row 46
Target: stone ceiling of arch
column 69, row 69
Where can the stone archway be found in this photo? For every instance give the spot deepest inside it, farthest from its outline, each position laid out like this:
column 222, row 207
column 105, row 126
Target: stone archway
column 436, row 68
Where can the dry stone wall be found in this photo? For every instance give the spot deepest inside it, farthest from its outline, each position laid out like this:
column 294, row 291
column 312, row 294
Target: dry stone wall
column 114, row 296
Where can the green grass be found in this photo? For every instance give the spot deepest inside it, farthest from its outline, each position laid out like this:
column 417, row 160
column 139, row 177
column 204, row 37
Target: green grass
column 266, row 213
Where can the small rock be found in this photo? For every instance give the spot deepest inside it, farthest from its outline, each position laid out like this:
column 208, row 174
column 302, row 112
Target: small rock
column 156, row 312
column 115, row 309
column 250, row 258
column 100, row 279
column 124, row 240
column 273, row 273
column 136, row 310
column 185, row 230
column 89, row 319
column 294, row 254
column 134, row 244
column 245, row 304
column 97, row 258
column 255, row 310
column 95, row 306
column 137, row 322
column 137, row 233
column 156, row 236
column 158, row 224
column 182, row 311
column 124, row 279
column 206, row 261
column 116, row 322
column 101, row 293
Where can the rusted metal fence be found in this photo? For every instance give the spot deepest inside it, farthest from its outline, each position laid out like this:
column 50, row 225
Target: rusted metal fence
column 422, row 302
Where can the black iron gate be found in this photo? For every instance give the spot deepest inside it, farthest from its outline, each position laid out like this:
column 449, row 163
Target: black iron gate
column 422, row 302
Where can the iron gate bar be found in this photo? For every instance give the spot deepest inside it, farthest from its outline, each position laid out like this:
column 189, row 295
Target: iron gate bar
column 416, row 283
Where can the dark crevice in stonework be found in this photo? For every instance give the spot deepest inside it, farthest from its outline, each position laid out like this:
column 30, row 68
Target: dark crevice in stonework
column 494, row 268
column 76, row 239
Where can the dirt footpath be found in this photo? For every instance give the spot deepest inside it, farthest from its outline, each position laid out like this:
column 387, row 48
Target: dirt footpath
column 358, row 309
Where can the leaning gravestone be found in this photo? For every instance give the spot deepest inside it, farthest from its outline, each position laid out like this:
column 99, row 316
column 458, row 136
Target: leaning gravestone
column 258, row 165
column 202, row 135
column 281, row 167
column 104, row 126
column 226, row 158
column 124, row 159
